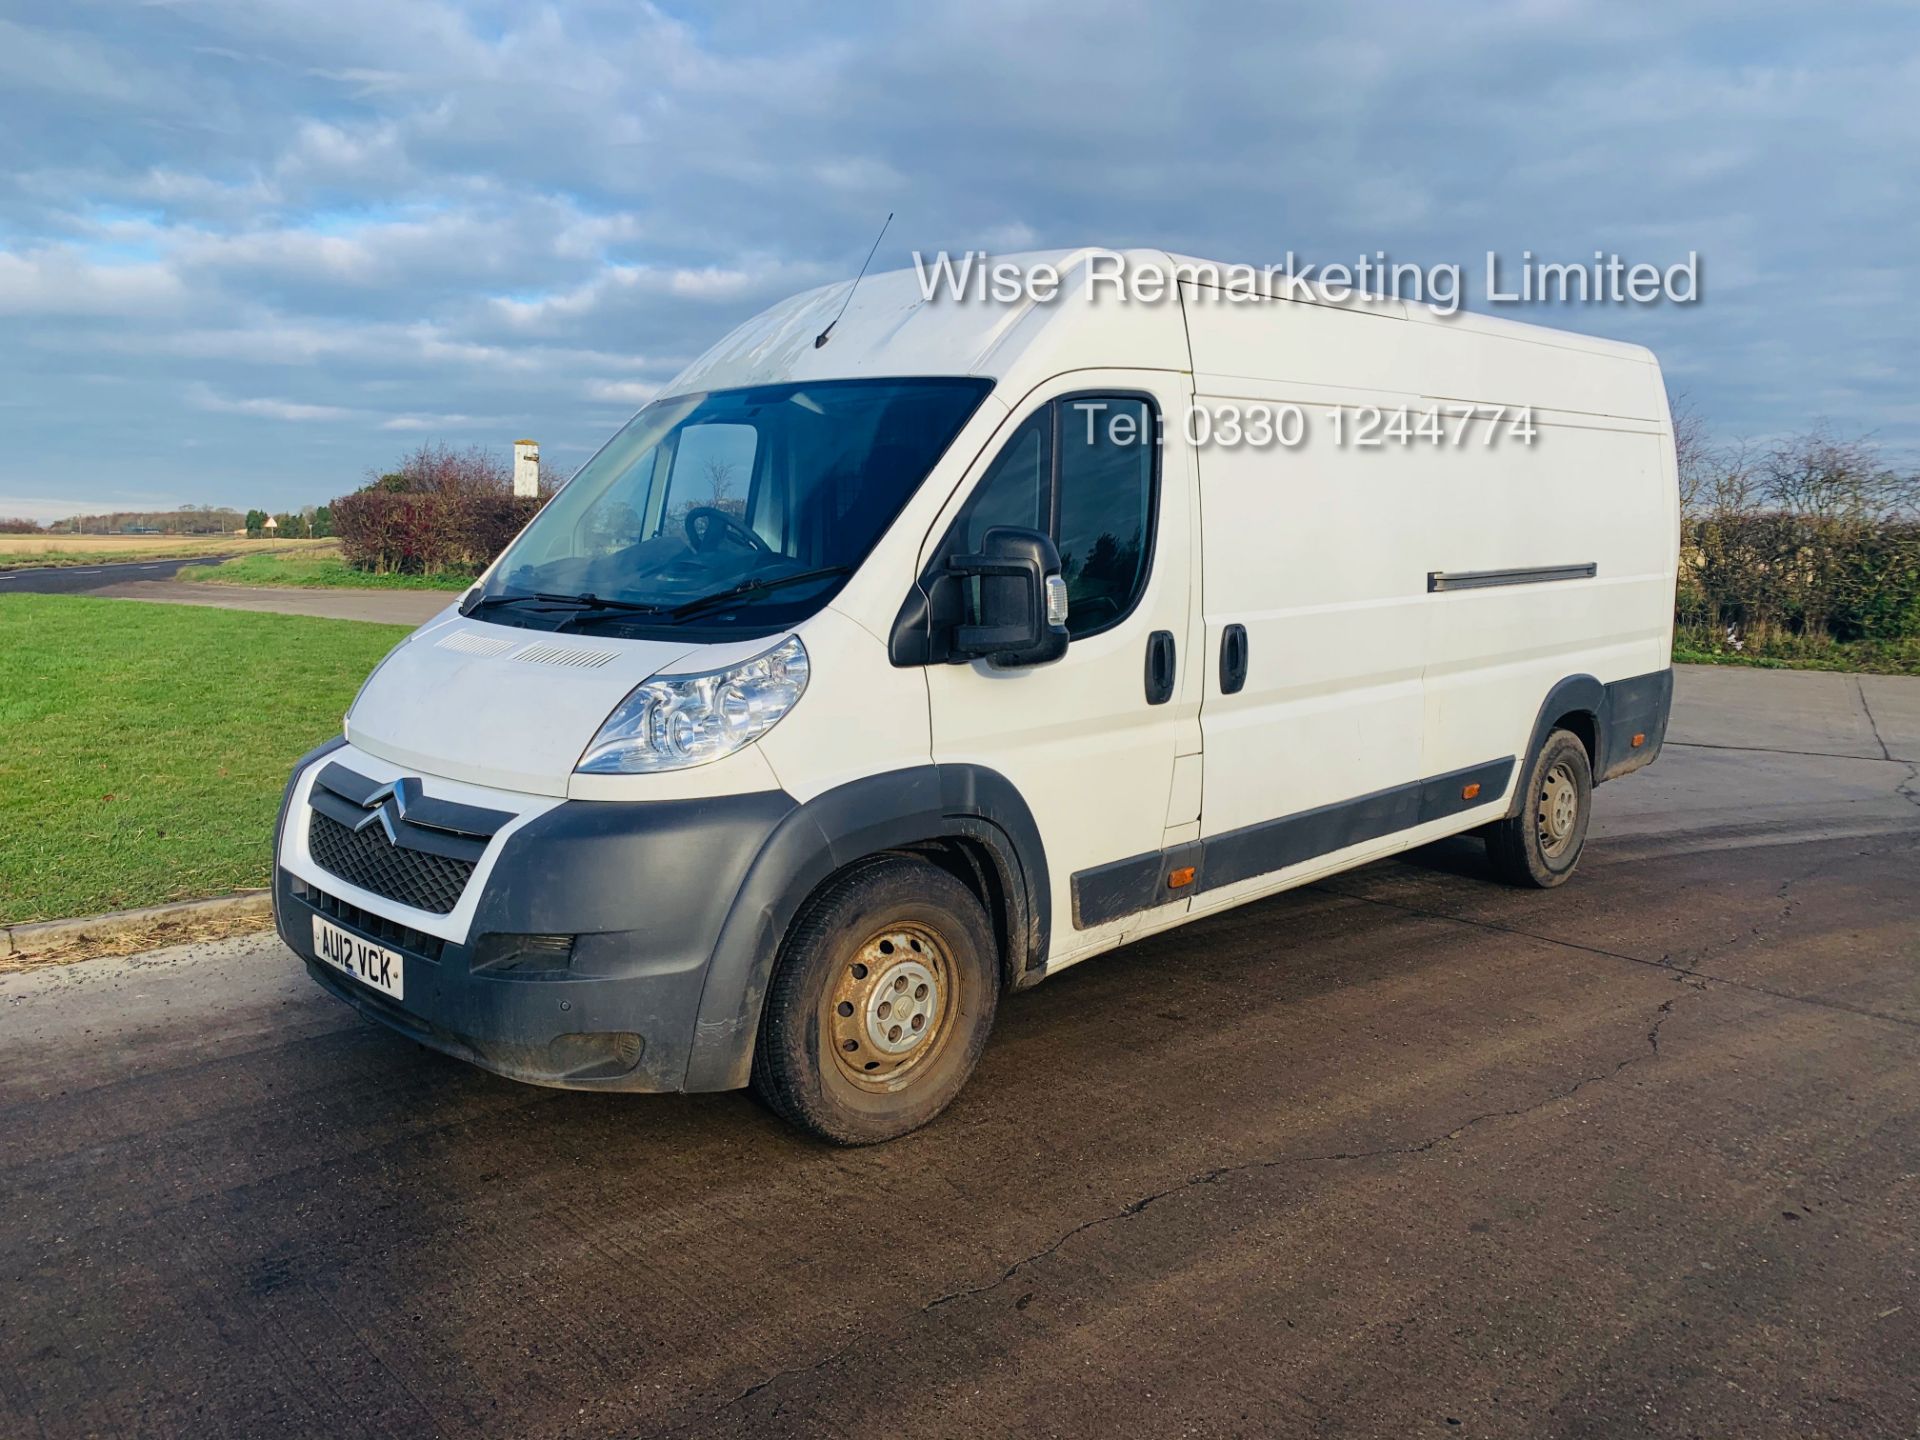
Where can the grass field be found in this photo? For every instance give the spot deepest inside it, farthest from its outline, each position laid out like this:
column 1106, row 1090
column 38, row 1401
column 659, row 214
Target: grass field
column 320, row 566
column 146, row 746
column 22, row 552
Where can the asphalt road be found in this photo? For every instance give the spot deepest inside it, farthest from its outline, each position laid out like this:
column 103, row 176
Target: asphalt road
column 84, row 579
column 154, row 580
column 1403, row 1153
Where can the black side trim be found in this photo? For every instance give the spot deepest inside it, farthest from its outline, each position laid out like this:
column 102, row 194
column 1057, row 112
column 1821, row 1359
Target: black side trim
column 1107, row 892
column 1636, row 706
column 1125, row 887
column 1487, row 579
column 1121, row 887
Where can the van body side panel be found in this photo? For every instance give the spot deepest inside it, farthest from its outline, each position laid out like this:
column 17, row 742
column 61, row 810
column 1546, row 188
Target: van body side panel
column 1365, row 679
column 1586, row 494
column 866, row 717
column 1303, row 549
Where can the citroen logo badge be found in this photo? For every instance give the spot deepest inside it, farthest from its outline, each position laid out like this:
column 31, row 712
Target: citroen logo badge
column 389, row 805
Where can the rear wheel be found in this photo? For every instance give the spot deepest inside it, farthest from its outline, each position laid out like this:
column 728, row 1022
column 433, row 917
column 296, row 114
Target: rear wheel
column 1540, row 845
column 880, row 1004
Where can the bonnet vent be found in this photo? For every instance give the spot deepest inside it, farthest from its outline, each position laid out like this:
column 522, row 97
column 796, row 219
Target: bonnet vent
column 466, row 642
column 571, row 656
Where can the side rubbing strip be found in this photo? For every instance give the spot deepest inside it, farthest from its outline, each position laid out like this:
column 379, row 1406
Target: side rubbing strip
column 1107, row 892
column 1487, row 579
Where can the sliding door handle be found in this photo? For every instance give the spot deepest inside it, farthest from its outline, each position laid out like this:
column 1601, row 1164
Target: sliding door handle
column 1233, row 659
column 1160, row 667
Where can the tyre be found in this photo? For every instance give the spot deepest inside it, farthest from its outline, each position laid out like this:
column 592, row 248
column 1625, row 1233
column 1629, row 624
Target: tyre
column 1540, row 845
column 880, row 1005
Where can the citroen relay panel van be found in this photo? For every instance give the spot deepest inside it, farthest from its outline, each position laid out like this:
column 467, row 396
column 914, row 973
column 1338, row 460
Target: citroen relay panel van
column 885, row 665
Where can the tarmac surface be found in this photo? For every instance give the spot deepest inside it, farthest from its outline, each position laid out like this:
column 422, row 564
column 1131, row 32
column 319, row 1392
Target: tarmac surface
column 87, row 579
column 153, row 580
column 1401, row 1153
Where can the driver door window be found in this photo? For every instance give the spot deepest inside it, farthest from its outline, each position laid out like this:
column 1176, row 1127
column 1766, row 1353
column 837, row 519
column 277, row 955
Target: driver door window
column 1082, row 469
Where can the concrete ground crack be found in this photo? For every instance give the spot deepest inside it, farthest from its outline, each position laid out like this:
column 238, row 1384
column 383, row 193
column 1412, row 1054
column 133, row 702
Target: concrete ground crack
column 1776, row 750
column 1665, row 962
column 1213, row 1175
column 1860, row 689
column 1909, row 788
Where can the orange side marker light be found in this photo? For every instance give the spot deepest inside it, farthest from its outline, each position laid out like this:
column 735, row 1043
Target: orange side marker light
column 1180, row 877
column 1467, row 792
column 1638, row 741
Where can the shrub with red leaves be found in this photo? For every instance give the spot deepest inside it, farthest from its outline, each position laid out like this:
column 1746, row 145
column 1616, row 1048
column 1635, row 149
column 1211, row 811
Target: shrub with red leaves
column 441, row 511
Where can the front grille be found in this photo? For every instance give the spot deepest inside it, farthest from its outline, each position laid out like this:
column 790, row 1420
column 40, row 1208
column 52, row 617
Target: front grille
column 368, row 859
column 387, row 932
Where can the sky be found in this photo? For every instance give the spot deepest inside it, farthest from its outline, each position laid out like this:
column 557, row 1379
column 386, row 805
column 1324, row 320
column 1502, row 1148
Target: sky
column 251, row 250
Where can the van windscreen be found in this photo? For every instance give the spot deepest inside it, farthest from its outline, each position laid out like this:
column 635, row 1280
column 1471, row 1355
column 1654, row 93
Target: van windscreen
column 733, row 509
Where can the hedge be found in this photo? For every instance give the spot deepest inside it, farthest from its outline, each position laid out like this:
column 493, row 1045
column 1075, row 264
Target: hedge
column 1839, row 578
column 428, row 533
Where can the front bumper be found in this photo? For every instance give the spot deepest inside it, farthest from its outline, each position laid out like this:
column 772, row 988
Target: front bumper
column 632, row 1030
column 644, row 891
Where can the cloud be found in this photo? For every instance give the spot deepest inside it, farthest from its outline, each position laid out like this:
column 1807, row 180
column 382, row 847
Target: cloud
column 365, row 220
column 62, row 281
column 206, row 399
column 426, row 422
column 625, row 392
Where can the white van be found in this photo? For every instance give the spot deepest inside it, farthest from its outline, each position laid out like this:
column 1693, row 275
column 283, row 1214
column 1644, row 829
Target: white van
column 861, row 679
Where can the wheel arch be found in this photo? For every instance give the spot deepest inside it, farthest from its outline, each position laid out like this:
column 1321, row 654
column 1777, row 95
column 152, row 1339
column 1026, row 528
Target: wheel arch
column 967, row 819
column 1576, row 703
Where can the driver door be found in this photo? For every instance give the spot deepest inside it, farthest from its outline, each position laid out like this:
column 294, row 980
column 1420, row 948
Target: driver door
column 1104, row 743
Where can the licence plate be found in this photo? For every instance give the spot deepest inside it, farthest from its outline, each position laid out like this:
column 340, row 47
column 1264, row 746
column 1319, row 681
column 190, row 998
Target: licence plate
column 362, row 959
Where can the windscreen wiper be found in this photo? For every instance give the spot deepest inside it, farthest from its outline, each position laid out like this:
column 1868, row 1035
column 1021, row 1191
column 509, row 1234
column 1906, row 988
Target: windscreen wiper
column 583, row 602
column 754, row 587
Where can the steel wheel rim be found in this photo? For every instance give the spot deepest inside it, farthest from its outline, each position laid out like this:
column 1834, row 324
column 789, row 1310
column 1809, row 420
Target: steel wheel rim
column 1558, row 812
column 889, row 1012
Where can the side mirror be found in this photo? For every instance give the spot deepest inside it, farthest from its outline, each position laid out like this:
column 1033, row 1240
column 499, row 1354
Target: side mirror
column 1023, row 599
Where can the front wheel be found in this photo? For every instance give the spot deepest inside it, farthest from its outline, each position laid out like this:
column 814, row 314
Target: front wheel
column 880, row 1005
column 1540, row 845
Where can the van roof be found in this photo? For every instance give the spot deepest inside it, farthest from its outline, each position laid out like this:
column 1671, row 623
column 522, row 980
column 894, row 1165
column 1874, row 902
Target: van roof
column 891, row 328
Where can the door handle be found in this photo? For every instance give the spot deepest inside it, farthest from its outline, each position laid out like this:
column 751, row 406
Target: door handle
column 1159, row 667
column 1233, row 659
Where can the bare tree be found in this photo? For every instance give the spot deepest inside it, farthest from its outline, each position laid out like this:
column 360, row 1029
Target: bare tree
column 1690, row 448
column 438, row 469
column 1810, row 536
column 1825, row 476
column 720, row 480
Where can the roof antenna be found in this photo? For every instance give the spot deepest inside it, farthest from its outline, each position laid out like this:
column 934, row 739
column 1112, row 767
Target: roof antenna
column 821, row 338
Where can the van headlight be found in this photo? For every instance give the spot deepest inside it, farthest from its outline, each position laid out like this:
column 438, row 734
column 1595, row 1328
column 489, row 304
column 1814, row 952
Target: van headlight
column 674, row 721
